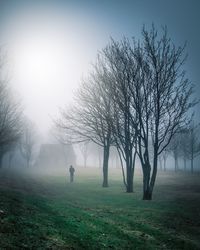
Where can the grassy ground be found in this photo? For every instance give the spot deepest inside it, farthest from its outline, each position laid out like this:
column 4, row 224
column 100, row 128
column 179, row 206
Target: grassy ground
column 46, row 212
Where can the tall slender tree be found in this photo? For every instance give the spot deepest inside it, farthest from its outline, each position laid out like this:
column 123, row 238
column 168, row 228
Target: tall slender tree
column 84, row 148
column 10, row 113
column 90, row 118
column 122, row 69
column 176, row 149
column 161, row 97
column 193, row 143
column 28, row 141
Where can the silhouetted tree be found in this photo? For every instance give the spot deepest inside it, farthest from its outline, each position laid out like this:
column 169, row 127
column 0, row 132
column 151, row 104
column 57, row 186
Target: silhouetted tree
column 183, row 146
column 10, row 114
column 11, row 154
column 99, row 152
column 165, row 155
column 175, row 149
column 160, row 162
column 114, row 157
column 137, row 98
column 27, row 142
column 122, row 68
column 84, row 148
column 89, row 119
column 193, row 143
column 161, row 94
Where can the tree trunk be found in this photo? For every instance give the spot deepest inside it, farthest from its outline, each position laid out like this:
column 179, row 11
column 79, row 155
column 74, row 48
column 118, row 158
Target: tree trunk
column 165, row 164
column 106, row 151
column 147, row 193
column 176, row 163
column 129, row 187
column 122, row 166
column 160, row 163
column 192, row 160
column 184, row 159
column 154, row 174
column 100, row 159
column 130, row 167
column 149, row 180
column 1, row 161
column 116, row 161
column 192, row 165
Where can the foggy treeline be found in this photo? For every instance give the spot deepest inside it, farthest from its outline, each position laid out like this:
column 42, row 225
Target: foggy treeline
column 91, row 155
column 138, row 99
column 135, row 105
column 17, row 133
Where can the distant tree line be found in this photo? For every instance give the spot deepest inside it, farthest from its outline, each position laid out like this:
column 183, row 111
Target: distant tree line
column 136, row 98
column 10, row 112
column 14, row 129
column 184, row 145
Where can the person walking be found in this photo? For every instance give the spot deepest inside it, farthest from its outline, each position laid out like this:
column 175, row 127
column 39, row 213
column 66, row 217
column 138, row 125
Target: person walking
column 71, row 171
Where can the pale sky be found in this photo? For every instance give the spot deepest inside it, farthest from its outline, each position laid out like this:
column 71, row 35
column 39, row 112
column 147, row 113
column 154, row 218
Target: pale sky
column 51, row 44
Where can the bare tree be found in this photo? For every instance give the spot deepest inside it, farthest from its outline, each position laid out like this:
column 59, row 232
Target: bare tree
column 160, row 162
column 10, row 114
column 122, row 69
column 27, row 142
column 84, row 148
column 114, row 156
column 151, row 97
column 137, row 96
column 165, row 155
column 99, row 152
column 11, row 154
column 193, row 143
column 89, row 119
column 183, row 146
column 175, row 149
column 161, row 99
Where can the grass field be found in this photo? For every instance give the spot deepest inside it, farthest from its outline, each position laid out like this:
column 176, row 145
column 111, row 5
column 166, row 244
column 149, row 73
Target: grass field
column 47, row 212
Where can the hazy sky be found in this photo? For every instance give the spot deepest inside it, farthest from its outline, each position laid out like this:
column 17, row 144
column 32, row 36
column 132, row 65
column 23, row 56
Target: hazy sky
column 52, row 43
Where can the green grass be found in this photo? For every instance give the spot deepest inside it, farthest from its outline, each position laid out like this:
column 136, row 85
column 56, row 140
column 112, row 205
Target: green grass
column 46, row 212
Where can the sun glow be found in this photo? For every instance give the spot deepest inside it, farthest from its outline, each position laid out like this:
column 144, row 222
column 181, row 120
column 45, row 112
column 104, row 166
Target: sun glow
column 49, row 53
column 43, row 71
column 41, row 62
column 47, row 65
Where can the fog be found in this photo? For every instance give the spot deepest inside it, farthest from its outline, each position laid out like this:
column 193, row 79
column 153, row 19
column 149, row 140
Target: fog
column 99, row 124
column 49, row 51
column 51, row 45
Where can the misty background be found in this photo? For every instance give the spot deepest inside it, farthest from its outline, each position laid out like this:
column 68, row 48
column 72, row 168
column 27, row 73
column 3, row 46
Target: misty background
column 51, row 45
